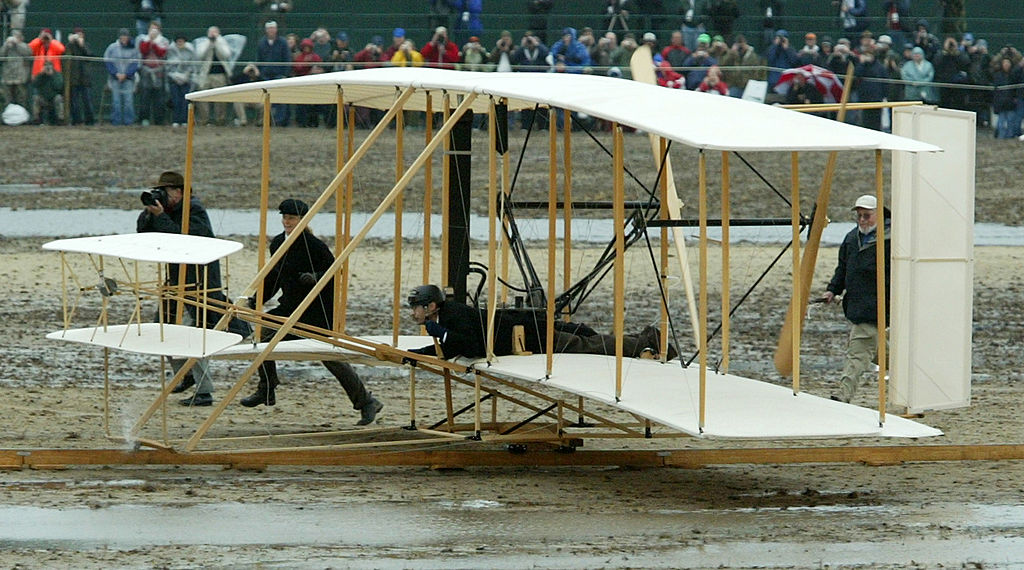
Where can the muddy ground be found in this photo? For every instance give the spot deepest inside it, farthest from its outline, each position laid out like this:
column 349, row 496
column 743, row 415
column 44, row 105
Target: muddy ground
column 919, row 514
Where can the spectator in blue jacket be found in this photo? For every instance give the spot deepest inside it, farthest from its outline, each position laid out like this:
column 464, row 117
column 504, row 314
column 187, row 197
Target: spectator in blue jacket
column 467, row 19
column 569, row 55
column 122, row 61
column 780, row 56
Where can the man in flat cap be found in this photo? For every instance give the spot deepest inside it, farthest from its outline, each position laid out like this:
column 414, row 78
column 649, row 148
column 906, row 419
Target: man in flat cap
column 163, row 213
column 304, row 263
column 856, row 276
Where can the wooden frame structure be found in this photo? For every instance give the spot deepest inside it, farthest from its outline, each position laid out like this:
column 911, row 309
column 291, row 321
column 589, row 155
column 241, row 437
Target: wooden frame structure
column 396, row 91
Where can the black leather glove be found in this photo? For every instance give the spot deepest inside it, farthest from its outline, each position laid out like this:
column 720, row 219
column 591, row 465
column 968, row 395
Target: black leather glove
column 308, row 279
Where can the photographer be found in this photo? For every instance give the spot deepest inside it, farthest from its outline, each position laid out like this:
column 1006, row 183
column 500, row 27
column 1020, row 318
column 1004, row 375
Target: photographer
column 78, row 76
column 501, row 57
column 45, row 48
column 531, row 55
column 14, row 60
column 474, row 56
column 780, row 56
column 439, row 51
column 162, row 213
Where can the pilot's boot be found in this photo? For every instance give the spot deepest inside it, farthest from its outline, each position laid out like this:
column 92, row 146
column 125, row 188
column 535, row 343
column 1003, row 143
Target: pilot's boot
column 264, row 393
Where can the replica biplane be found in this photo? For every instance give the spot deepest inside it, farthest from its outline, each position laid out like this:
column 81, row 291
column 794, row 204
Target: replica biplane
column 553, row 398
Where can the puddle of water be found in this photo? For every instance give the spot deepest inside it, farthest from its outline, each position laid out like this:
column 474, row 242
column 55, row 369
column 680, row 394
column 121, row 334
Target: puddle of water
column 426, row 529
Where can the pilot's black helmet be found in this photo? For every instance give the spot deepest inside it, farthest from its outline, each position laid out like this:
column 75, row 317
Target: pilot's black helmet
column 423, row 295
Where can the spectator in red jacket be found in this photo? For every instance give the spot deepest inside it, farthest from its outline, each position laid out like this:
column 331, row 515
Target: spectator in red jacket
column 439, row 51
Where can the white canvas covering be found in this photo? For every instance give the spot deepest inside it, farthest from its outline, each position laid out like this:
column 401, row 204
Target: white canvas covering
column 695, row 119
column 933, row 262
column 667, row 394
column 152, row 338
column 150, row 246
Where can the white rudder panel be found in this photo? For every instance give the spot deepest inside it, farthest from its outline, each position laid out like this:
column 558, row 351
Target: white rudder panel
column 933, row 261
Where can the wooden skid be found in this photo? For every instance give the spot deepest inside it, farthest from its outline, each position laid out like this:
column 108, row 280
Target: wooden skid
column 491, row 457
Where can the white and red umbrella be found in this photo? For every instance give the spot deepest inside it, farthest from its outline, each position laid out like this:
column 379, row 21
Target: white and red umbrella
column 823, row 80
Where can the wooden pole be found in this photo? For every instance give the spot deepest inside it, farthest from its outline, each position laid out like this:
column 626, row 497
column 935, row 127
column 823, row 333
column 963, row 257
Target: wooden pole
column 703, row 309
column 340, row 207
column 567, row 210
column 619, row 199
column 726, row 300
column 446, row 173
column 351, row 127
column 881, row 262
column 549, row 348
column 261, row 243
column 396, row 301
column 794, row 211
column 428, row 189
column 186, row 204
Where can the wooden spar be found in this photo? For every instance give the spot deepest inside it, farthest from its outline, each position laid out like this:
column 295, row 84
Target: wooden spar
column 261, row 243
column 783, row 352
column 428, row 187
column 492, row 224
column 549, row 347
column 348, row 216
column 446, row 173
column 396, row 300
column 339, row 206
column 872, row 455
column 794, row 211
column 833, row 107
column 186, row 206
column 663, row 214
column 702, row 214
column 619, row 189
column 344, row 255
column 412, row 389
column 881, row 261
column 724, row 368
column 567, row 211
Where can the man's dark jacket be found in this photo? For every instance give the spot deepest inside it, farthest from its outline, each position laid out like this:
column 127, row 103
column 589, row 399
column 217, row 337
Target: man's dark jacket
column 856, row 276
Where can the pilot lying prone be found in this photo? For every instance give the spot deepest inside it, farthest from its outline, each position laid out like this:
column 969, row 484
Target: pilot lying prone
column 460, row 330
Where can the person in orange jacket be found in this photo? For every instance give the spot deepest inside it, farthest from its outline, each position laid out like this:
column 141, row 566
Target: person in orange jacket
column 45, row 48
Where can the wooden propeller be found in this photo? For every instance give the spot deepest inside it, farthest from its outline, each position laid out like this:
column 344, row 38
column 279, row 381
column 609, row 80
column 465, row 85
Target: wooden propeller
column 784, row 350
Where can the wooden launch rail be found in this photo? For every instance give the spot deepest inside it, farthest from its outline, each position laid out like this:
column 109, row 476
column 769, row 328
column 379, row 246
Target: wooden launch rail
column 538, row 455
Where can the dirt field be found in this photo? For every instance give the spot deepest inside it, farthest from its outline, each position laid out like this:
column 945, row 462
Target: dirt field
column 918, row 515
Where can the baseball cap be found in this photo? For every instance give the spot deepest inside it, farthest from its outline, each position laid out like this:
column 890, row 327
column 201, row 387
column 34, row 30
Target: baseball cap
column 440, row 30
column 398, row 33
column 885, row 39
column 867, row 201
column 782, row 33
column 704, row 39
column 650, row 37
column 811, row 36
column 341, row 37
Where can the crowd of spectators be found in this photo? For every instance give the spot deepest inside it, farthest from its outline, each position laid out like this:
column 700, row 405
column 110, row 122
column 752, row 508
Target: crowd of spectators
column 149, row 75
